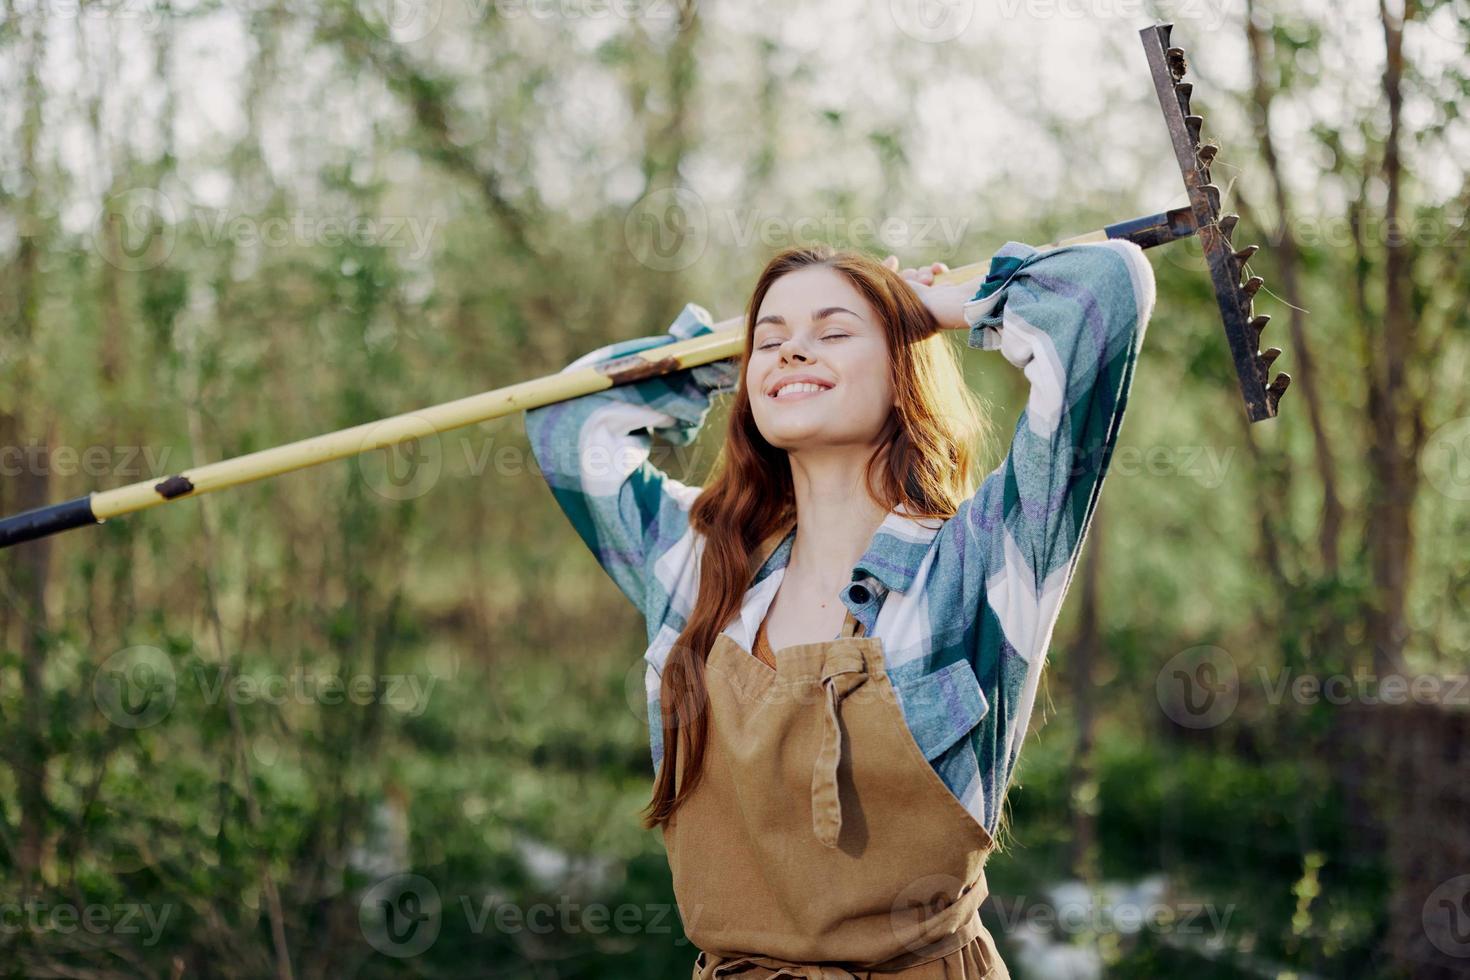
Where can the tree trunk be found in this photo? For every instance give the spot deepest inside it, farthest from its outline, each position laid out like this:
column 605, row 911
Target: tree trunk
column 1284, row 249
column 34, row 430
column 1082, row 777
column 1396, row 425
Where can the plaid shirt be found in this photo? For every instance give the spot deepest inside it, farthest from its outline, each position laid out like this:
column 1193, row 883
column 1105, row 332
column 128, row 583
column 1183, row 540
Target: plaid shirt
column 965, row 607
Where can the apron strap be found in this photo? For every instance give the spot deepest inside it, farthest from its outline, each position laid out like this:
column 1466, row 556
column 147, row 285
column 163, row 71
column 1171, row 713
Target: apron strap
column 843, row 672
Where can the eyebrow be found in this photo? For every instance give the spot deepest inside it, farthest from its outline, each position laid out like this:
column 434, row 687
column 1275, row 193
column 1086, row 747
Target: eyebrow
column 821, row 314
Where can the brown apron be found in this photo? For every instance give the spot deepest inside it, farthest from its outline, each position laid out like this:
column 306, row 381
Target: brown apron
column 820, row 843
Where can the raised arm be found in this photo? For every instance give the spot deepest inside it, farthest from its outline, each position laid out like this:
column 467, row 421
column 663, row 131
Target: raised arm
column 1073, row 320
column 593, row 452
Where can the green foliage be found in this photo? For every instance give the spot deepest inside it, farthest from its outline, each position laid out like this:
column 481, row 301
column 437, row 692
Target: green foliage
column 346, row 676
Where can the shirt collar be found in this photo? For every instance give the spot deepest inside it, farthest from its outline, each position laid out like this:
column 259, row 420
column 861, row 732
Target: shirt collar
column 893, row 556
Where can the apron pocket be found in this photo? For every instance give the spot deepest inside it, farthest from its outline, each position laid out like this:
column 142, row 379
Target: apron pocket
column 942, row 707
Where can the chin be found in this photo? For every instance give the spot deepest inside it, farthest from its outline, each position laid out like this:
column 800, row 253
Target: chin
column 792, row 438
column 785, row 438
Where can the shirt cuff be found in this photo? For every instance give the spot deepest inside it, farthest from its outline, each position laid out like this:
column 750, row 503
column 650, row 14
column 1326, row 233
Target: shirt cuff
column 983, row 311
column 982, row 335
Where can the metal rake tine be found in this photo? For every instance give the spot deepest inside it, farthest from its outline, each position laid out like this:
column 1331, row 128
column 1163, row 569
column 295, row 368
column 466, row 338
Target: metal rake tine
column 1193, row 124
column 1168, row 66
column 1276, row 389
column 1213, row 194
column 1227, row 226
column 1178, row 66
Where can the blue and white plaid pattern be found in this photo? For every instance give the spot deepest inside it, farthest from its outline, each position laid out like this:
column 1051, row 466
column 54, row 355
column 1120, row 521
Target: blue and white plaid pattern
column 965, row 607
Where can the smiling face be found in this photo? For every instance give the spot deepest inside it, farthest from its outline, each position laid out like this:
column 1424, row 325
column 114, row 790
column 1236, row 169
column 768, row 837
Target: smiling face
column 817, row 373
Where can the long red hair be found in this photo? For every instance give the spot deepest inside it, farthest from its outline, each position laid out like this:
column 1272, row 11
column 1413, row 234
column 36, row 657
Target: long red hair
column 926, row 460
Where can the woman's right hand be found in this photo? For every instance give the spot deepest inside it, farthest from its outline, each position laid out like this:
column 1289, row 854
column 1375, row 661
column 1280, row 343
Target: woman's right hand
column 946, row 302
column 925, row 276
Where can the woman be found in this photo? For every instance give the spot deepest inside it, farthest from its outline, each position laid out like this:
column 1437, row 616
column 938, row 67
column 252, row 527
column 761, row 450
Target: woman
column 845, row 635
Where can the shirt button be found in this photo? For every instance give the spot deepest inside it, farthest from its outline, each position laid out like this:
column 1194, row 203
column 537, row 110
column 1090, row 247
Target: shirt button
column 859, row 594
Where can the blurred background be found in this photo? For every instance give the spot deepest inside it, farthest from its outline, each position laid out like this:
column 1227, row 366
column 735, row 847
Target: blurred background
column 384, row 717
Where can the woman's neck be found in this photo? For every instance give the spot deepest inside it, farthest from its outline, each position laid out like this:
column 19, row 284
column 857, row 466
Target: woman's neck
column 835, row 517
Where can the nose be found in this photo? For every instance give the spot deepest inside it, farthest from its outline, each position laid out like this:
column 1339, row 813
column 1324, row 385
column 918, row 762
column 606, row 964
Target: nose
column 791, row 352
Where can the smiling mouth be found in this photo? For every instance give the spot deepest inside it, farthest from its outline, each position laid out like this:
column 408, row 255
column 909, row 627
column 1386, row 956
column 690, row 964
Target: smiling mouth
column 798, row 390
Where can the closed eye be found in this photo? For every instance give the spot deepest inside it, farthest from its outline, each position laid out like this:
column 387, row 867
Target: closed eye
column 770, row 344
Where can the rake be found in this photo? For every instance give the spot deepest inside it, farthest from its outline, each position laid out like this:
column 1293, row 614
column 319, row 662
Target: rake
column 1200, row 217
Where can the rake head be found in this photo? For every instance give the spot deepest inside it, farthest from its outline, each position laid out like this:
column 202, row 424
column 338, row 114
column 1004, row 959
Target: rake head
column 1243, row 326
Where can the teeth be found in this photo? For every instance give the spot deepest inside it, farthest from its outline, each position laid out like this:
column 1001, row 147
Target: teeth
column 798, row 386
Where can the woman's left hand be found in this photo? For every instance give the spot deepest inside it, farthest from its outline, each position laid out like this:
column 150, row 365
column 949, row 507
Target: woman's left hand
column 946, row 302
